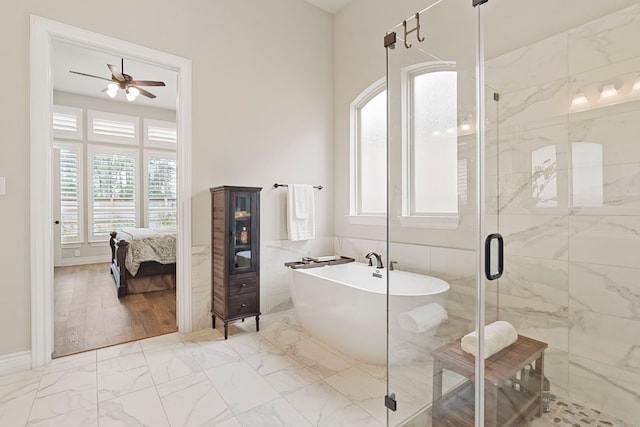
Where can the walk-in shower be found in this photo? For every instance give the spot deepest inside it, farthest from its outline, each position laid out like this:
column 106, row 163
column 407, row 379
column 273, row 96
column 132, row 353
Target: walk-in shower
column 517, row 122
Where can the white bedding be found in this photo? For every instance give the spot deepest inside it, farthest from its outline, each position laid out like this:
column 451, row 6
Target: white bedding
column 148, row 244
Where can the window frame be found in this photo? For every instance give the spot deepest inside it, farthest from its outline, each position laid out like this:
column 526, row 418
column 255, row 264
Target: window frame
column 146, row 123
column 78, row 147
column 145, row 174
column 77, row 134
column 356, row 215
column 410, row 218
column 108, row 149
column 93, row 115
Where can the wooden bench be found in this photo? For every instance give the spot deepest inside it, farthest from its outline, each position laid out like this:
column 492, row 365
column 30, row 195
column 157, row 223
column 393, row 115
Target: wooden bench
column 513, row 385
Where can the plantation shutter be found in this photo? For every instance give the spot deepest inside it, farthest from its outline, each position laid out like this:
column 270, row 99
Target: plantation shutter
column 69, row 196
column 161, row 192
column 113, row 192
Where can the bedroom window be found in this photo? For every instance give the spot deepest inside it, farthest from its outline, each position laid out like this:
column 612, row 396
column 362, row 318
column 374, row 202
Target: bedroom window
column 70, row 187
column 430, row 163
column 113, row 189
column 369, row 156
column 160, row 134
column 67, row 122
column 160, row 189
column 111, row 127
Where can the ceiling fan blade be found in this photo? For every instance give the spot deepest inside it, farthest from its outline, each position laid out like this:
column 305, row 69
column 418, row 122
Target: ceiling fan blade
column 146, row 83
column 144, row 92
column 116, row 73
column 91, row 75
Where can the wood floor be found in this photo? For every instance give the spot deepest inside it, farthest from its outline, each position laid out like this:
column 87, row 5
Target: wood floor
column 88, row 313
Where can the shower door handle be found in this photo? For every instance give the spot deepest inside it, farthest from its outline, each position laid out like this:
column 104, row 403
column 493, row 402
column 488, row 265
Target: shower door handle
column 491, row 271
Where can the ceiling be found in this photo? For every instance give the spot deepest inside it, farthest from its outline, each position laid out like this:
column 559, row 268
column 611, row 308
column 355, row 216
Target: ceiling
column 67, row 56
column 331, row 6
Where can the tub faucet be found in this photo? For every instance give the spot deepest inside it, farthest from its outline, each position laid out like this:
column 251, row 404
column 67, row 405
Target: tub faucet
column 378, row 259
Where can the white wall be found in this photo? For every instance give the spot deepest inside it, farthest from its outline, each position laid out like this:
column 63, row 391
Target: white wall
column 262, row 112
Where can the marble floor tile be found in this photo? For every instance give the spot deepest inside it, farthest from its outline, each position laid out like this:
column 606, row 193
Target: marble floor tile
column 140, row 408
column 193, row 401
column 250, row 344
column 277, row 413
column 362, row 389
column 282, row 372
column 86, row 417
column 122, row 375
column 81, row 360
column 16, row 397
column 324, row 406
column 240, row 386
column 118, row 350
column 210, row 354
column 171, row 362
column 64, row 391
column 316, row 357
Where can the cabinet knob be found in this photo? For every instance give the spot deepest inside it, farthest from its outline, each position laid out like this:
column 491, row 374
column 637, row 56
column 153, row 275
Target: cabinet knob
column 243, row 305
column 244, row 285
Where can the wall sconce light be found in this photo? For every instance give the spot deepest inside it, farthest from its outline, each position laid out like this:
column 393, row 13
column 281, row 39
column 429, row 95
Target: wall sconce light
column 579, row 100
column 636, row 86
column 608, row 91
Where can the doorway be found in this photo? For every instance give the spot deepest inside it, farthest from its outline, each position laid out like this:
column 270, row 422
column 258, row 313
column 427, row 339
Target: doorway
column 43, row 34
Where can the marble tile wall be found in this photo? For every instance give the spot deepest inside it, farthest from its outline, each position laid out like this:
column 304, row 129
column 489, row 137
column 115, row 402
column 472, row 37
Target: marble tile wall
column 570, row 211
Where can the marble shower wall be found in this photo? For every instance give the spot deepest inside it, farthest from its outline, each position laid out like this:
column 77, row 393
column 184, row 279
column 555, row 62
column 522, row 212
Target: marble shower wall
column 274, row 287
column 569, row 206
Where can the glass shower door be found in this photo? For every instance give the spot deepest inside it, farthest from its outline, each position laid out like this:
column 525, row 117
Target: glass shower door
column 434, row 217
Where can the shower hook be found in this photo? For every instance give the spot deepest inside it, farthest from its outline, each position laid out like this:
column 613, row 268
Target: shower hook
column 416, row 29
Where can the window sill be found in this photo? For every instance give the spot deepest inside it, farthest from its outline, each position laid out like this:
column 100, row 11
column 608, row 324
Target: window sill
column 71, row 245
column 378, row 220
column 444, row 222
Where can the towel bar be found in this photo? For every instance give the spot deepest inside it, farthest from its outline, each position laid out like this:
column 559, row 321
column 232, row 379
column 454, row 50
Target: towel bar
column 276, row 185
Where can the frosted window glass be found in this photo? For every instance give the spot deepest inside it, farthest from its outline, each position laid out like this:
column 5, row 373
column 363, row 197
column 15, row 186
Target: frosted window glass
column 434, row 159
column 587, row 176
column 372, row 152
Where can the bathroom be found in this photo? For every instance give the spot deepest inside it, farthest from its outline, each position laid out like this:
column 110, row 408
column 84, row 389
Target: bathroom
column 560, row 164
column 561, row 183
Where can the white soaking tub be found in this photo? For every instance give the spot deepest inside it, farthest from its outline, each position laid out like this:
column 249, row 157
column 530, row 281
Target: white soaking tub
column 345, row 305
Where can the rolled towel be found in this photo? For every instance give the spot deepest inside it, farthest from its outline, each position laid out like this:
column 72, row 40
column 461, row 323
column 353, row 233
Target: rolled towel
column 422, row 318
column 497, row 335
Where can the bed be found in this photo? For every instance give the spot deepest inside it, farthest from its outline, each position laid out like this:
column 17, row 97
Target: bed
column 143, row 260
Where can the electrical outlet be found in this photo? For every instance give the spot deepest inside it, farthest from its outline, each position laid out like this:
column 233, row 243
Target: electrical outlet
column 3, row 186
column 77, row 252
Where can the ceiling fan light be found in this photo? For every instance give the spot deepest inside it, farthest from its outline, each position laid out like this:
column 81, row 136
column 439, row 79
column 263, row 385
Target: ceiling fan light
column 132, row 93
column 112, row 90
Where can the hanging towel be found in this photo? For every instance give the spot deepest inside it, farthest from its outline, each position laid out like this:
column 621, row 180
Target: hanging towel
column 422, row 318
column 497, row 335
column 300, row 212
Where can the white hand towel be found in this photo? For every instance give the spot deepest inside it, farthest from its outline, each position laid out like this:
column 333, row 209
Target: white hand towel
column 302, row 200
column 301, row 223
column 497, row 335
column 422, row 318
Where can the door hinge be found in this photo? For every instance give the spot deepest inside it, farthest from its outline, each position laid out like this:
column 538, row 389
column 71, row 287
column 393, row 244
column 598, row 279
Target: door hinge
column 390, row 401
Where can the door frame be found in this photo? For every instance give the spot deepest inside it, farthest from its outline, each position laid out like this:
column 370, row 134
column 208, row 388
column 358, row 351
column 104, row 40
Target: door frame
column 43, row 33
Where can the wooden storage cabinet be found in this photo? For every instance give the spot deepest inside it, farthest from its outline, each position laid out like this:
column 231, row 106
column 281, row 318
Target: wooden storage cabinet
column 235, row 250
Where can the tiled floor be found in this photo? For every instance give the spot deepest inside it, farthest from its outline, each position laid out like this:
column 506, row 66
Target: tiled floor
column 277, row 377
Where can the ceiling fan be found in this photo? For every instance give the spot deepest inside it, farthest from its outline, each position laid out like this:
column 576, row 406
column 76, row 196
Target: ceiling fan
column 120, row 80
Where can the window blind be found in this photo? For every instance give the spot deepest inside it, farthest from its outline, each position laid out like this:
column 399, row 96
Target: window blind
column 113, row 192
column 69, row 196
column 161, row 192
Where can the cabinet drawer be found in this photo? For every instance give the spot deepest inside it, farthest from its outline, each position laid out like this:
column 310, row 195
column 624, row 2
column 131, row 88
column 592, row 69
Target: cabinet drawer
column 243, row 304
column 238, row 286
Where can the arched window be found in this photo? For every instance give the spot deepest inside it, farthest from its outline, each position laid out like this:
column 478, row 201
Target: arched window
column 369, row 153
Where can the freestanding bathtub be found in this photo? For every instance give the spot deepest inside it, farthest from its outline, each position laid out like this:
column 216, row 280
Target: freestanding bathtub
column 345, row 305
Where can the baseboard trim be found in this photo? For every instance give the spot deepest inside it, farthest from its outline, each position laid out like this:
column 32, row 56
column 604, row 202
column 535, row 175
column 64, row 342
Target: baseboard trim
column 65, row 262
column 14, row 362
